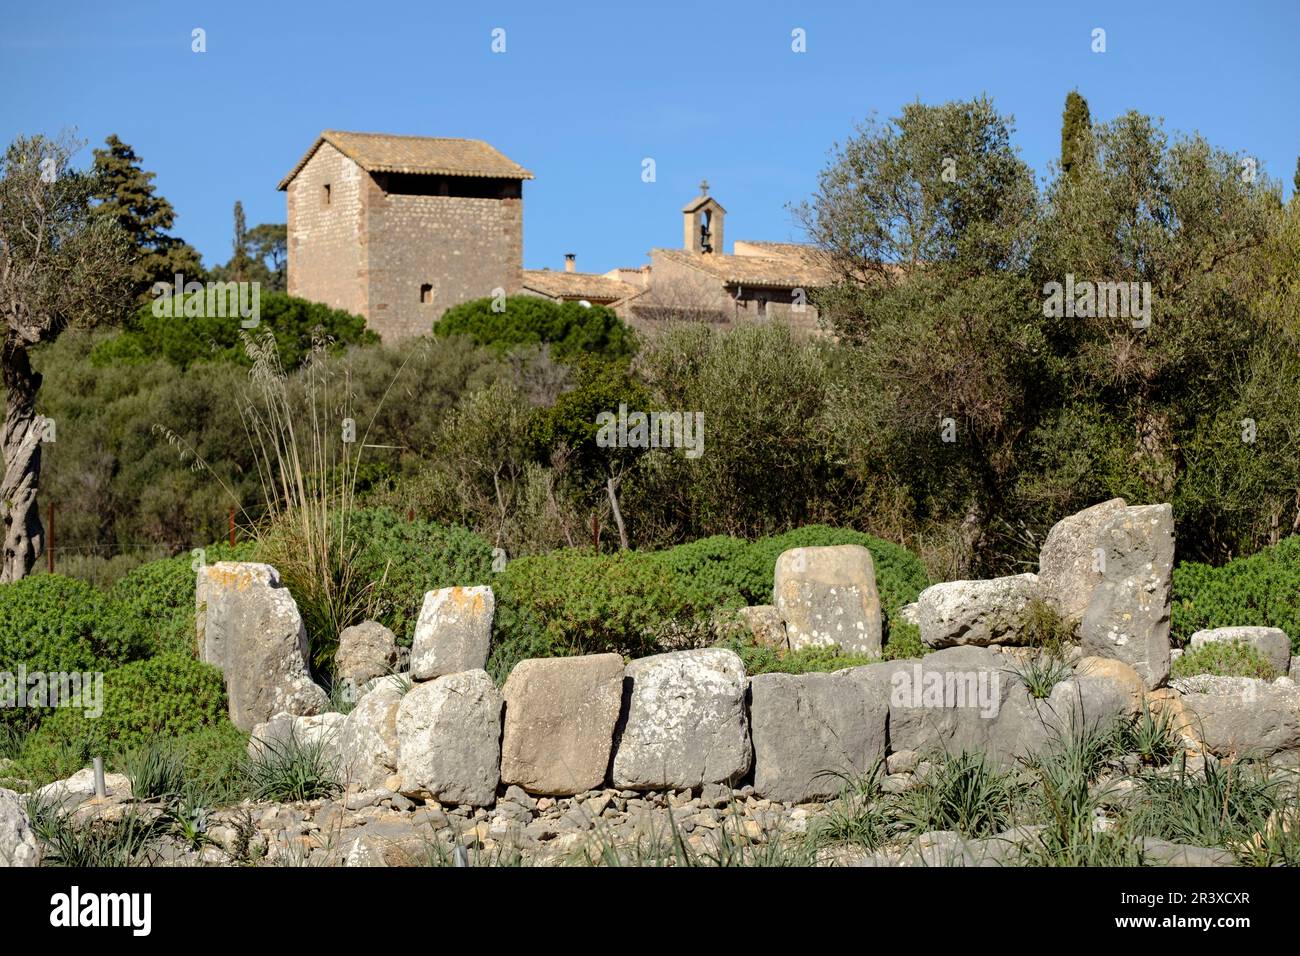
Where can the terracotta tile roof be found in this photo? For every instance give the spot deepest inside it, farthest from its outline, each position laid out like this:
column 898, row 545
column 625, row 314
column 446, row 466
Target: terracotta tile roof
column 577, row 285
column 782, row 266
column 383, row 153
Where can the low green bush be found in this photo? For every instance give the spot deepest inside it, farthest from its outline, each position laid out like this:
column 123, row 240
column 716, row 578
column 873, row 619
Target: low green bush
column 1223, row 659
column 167, row 695
column 759, row 659
column 152, row 606
column 1262, row 589
column 570, row 329
column 182, row 341
column 405, row 559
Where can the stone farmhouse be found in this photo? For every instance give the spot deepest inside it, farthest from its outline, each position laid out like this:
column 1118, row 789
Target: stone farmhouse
column 399, row 229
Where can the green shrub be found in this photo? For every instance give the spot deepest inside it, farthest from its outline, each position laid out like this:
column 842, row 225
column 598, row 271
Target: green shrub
column 153, row 605
column 156, row 768
column 568, row 327
column 575, row 602
column 759, row 659
column 1224, row 659
column 183, row 341
column 1262, row 589
column 167, row 695
column 405, row 559
column 51, row 624
column 292, row 770
column 903, row 642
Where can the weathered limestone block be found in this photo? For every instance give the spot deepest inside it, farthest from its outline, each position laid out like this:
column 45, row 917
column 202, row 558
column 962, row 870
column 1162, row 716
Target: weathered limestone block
column 453, row 633
column 319, row 730
column 764, row 622
column 827, row 596
column 18, row 846
column 559, row 723
column 366, row 651
column 1242, row 716
column 449, row 739
column 807, row 728
column 978, row 613
column 1128, row 614
column 1271, row 642
column 686, row 723
column 368, row 740
column 250, row 628
column 1068, row 565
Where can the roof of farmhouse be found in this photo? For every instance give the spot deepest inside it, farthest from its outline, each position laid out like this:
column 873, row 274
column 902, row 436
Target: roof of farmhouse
column 421, row 155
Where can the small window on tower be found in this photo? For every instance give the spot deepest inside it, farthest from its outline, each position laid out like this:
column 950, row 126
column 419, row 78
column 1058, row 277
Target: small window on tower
column 426, row 294
column 327, row 194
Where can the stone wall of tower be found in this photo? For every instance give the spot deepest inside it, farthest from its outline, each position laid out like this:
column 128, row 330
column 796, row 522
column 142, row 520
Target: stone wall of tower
column 463, row 247
column 327, row 255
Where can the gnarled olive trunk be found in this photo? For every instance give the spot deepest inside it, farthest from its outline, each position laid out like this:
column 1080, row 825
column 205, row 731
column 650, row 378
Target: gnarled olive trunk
column 24, row 538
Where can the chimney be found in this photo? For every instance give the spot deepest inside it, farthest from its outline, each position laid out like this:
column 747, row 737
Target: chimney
column 570, row 262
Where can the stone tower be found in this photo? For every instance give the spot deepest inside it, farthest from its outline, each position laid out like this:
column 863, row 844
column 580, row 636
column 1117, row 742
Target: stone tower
column 400, row 228
column 702, row 223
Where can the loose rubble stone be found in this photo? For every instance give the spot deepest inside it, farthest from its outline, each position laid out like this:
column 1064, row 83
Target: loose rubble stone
column 807, row 728
column 1271, row 642
column 559, row 722
column 449, row 739
column 80, row 787
column 250, row 628
column 1069, row 565
column 827, row 597
column 764, row 622
column 453, row 633
column 366, row 651
column 1128, row 614
column 977, row 613
column 686, row 723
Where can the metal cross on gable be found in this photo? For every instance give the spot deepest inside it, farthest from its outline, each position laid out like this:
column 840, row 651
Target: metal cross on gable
column 704, row 187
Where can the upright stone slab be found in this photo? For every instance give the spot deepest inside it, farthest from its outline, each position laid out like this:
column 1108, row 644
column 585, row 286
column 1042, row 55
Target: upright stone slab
column 368, row 741
column 453, row 633
column 449, row 740
column 808, row 729
column 1128, row 614
column 685, row 723
column 1068, row 565
column 1271, row 642
column 250, row 628
column 827, row 597
column 979, row 613
column 559, row 724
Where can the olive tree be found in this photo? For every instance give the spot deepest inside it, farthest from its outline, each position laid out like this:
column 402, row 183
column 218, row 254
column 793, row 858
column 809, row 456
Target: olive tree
column 60, row 267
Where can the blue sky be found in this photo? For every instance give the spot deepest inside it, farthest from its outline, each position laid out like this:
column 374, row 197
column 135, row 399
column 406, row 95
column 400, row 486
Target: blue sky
column 586, row 91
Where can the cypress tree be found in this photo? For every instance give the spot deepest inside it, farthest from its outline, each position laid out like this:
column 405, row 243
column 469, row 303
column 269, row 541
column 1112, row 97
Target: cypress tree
column 1076, row 133
column 124, row 194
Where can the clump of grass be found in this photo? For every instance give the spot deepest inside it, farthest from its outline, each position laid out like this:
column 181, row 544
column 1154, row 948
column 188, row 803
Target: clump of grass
column 1044, row 628
column 860, row 815
column 963, row 792
column 1224, row 659
column 291, row 770
column 131, row 840
column 1228, row 802
column 1041, row 670
column 155, row 769
column 1151, row 737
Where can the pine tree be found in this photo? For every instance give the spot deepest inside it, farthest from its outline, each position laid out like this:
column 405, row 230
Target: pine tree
column 1076, row 133
column 124, row 194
